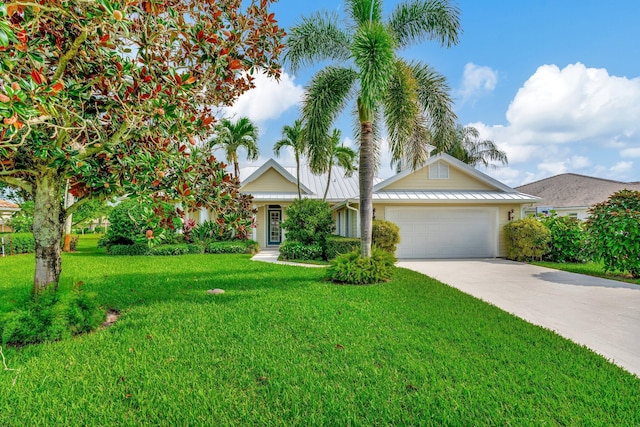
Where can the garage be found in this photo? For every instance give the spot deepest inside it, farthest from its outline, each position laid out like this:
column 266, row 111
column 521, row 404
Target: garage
column 438, row 232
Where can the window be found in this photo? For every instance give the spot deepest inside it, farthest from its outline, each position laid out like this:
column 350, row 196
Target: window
column 439, row 171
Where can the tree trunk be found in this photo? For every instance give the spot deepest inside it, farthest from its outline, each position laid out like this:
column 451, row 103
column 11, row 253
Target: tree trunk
column 298, row 175
column 326, row 190
column 367, row 167
column 68, row 201
column 48, row 221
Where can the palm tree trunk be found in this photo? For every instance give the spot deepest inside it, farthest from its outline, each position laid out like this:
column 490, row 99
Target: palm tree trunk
column 326, row 190
column 298, row 175
column 367, row 167
column 48, row 220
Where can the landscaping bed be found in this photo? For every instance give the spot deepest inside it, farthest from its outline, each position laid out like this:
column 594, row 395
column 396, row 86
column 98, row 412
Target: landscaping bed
column 590, row 269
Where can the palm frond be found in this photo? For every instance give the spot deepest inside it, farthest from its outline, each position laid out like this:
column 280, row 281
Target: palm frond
column 318, row 37
column 373, row 52
column 364, row 11
column 434, row 98
column 416, row 20
column 325, row 97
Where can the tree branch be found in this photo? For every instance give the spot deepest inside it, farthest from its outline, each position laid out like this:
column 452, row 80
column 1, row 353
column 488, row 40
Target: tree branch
column 17, row 182
column 75, row 47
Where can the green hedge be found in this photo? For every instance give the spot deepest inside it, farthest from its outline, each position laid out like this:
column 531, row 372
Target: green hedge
column 527, row 239
column 232, row 247
column 338, row 245
column 18, row 243
column 136, row 249
column 293, row 250
column 177, row 249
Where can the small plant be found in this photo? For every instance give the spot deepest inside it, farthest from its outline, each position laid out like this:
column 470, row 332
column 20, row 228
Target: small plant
column 567, row 239
column 385, row 235
column 614, row 232
column 338, row 245
column 51, row 317
column 527, row 239
column 353, row 269
column 187, row 228
column 233, row 247
column 292, row 250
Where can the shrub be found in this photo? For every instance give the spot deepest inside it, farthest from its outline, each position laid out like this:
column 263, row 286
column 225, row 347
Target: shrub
column 99, row 229
column 127, row 225
column 309, row 221
column 232, row 247
column 51, row 317
column 164, row 250
column 614, row 232
column 526, row 239
column 351, row 268
column 385, row 235
column 22, row 221
column 293, row 250
column 19, row 243
column 567, row 239
column 338, row 245
column 135, row 249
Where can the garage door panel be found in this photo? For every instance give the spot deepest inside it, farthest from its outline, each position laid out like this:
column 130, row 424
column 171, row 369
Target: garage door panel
column 444, row 232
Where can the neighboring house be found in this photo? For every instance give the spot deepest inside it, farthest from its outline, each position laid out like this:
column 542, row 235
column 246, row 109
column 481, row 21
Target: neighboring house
column 570, row 194
column 445, row 209
column 7, row 209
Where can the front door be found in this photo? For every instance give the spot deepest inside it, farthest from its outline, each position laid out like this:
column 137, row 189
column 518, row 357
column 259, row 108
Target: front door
column 275, row 231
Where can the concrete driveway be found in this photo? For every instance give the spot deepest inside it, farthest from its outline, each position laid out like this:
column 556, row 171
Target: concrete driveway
column 603, row 315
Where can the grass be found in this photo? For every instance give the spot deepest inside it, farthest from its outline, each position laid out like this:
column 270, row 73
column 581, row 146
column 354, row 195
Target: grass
column 283, row 347
column 589, row 268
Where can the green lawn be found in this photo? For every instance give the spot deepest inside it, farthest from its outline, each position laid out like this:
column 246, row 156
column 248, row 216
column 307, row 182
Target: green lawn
column 283, row 347
column 588, row 268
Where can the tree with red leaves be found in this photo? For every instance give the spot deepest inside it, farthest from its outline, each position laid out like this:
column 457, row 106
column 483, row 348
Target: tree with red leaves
column 110, row 95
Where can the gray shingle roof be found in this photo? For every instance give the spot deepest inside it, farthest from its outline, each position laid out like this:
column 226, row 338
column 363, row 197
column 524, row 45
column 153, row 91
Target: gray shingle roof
column 570, row 190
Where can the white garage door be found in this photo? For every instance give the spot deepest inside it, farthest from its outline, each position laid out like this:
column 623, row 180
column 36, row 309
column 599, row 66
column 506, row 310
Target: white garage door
column 431, row 232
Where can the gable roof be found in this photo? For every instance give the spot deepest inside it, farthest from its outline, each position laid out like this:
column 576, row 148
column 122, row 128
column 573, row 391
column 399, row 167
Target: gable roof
column 446, row 158
column 281, row 170
column 313, row 185
column 570, row 190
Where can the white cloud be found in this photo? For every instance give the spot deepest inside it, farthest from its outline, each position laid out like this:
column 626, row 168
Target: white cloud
column 630, row 152
column 268, row 100
column 575, row 104
column 477, row 80
column 621, row 167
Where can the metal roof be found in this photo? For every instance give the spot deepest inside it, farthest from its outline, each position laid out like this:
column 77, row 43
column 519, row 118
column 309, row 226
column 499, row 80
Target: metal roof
column 4, row 204
column 449, row 196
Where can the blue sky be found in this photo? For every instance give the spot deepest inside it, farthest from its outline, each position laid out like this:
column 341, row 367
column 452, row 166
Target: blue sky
column 556, row 84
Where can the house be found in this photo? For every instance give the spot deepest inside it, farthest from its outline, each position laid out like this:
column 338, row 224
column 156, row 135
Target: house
column 7, row 209
column 571, row 194
column 444, row 209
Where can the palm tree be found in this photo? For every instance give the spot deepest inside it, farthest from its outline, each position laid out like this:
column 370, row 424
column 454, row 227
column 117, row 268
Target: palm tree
column 410, row 98
column 469, row 148
column 339, row 155
column 293, row 136
column 232, row 135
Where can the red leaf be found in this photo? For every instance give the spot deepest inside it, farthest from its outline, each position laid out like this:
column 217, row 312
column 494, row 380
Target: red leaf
column 156, row 183
column 37, row 78
column 200, row 35
column 207, row 121
column 190, row 80
column 104, row 39
column 178, row 79
column 57, row 87
column 235, row 64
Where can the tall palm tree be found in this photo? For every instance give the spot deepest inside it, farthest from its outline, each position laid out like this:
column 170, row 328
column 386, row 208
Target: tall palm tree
column 232, row 135
column 469, row 148
column 410, row 98
column 339, row 155
column 293, row 136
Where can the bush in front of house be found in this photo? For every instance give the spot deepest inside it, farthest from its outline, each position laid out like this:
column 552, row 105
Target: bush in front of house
column 127, row 225
column 527, row 239
column 134, row 249
column 567, row 239
column 293, row 250
column 19, row 243
column 385, row 235
column 338, row 245
column 233, row 247
column 309, row 221
column 352, row 269
column 614, row 232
